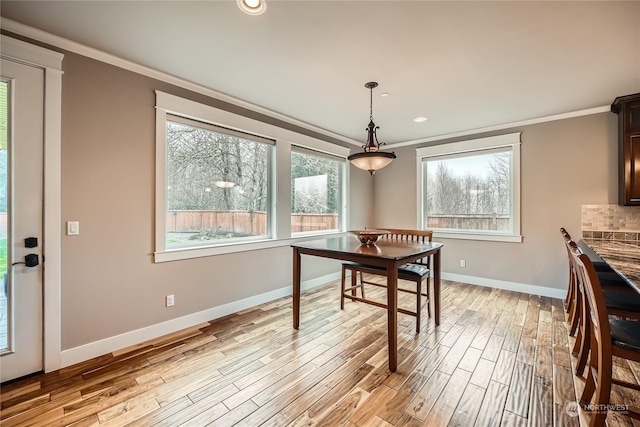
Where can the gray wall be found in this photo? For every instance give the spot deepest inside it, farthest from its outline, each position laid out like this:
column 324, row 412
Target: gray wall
column 110, row 284
column 564, row 164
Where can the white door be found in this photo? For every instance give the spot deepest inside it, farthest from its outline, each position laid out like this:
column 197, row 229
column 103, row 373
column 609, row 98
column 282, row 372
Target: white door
column 21, row 203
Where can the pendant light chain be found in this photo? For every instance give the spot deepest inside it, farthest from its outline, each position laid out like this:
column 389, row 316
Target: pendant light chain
column 371, row 159
column 371, row 104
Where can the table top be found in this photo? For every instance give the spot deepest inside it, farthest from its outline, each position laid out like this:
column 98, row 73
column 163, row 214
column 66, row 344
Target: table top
column 622, row 256
column 385, row 249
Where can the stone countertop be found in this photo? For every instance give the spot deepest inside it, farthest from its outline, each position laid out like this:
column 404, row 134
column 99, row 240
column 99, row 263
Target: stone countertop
column 622, row 256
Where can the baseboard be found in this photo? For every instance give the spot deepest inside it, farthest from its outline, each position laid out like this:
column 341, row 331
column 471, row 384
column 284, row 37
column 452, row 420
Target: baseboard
column 509, row 286
column 98, row 348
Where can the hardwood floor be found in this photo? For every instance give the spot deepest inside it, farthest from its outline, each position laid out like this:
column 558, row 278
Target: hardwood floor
column 499, row 358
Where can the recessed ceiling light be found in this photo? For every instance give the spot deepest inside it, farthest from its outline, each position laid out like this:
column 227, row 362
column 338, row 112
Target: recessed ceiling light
column 420, row 119
column 252, row 7
column 384, row 94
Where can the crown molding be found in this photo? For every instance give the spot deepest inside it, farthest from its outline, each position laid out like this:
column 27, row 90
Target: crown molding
column 80, row 49
column 98, row 55
column 569, row 115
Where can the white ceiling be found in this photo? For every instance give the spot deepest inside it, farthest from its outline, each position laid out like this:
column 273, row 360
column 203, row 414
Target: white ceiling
column 464, row 65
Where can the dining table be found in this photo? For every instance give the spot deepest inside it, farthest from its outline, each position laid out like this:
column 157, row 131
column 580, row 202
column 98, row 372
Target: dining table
column 621, row 255
column 388, row 254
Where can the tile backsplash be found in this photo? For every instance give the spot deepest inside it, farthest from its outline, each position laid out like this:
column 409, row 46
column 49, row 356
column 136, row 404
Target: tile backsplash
column 611, row 222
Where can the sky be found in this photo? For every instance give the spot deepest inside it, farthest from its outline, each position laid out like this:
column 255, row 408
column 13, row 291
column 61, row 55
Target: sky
column 477, row 165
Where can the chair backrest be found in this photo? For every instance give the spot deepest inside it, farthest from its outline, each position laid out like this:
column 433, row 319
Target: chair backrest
column 405, row 235
column 594, row 305
column 408, row 235
column 570, row 245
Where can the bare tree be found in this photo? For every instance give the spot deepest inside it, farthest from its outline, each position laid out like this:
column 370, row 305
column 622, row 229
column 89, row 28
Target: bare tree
column 314, row 184
column 468, row 195
column 200, row 160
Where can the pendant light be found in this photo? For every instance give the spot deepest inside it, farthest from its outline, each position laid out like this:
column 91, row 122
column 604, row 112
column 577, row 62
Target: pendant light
column 371, row 159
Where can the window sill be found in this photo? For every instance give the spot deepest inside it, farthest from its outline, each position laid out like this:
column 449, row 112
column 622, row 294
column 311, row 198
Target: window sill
column 231, row 248
column 468, row 235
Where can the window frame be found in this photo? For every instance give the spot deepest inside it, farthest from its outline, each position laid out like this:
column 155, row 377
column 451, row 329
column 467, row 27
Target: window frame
column 480, row 145
column 280, row 177
column 181, row 120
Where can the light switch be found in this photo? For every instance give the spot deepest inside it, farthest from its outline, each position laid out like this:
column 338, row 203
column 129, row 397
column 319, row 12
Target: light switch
column 73, row 228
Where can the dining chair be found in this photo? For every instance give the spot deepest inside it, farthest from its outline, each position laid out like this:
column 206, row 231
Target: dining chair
column 609, row 336
column 609, row 279
column 415, row 272
column 619, row 303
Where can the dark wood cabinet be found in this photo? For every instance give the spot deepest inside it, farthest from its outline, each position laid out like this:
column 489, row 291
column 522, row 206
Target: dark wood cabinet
column 628, row 110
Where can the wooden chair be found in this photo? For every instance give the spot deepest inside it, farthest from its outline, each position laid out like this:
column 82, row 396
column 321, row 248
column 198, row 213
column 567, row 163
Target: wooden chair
column 609, row 280
column 415, row 272
column 609, row 337
column 619, row 303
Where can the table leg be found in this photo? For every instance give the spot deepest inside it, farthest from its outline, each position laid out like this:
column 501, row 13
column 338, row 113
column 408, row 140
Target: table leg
column 392, row 314
column 296, row 288
column 436, row 287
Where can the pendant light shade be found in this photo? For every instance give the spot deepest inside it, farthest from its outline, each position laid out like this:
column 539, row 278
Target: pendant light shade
column 371, row 159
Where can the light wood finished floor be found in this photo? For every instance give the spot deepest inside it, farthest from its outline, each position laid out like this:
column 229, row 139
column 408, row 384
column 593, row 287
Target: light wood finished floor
column 499, row 358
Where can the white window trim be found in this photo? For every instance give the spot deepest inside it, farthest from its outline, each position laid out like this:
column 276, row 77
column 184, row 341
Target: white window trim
column 281, row 177
column 512, row 141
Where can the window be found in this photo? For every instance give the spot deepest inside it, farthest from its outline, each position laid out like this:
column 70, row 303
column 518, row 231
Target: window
column 217, row 184
column 227, row 183
column 470, row 189
column 316, row 191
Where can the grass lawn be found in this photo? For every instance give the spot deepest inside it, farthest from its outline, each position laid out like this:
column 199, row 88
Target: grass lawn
column 3, row 256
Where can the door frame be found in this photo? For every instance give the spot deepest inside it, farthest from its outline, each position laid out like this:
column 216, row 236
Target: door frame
column 51, row 63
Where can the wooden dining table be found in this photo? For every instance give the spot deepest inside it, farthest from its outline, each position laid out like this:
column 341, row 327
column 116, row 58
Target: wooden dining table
column 388, row 254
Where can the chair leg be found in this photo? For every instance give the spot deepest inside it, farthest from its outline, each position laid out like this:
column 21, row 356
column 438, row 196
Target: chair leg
column 576, row 345
column 603, row 393
column 583, row 352
column 362, row 286
column 575, row 314
column 589, row 388
column 418, row 304
column 354, row 275
column 602, row 360
column 428, row 298
column 344, row 270
column 575, row 329
column 584, row 336
column 570, row 292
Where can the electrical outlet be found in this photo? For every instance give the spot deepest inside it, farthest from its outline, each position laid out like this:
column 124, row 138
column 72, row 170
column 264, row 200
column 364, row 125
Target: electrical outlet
column 463, row 263
column 171, row 300
column 73, row 228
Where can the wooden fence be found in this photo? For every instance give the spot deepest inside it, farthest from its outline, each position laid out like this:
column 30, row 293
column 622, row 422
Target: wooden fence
column 469, row 222
column 252, row 223
column 313, row 222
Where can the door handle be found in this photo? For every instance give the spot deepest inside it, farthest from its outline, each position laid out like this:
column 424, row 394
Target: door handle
column 30, row 260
